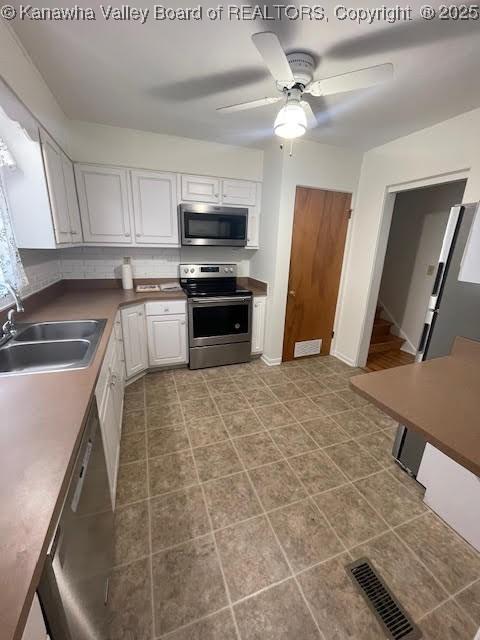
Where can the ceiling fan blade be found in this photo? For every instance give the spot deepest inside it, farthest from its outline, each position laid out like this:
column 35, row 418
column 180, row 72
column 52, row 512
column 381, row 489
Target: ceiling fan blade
column 360, row 79
column 252, row 104
column 311, row 118
column 269, row 47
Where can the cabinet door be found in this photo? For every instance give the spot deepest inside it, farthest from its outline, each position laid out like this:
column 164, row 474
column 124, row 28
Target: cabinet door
column 72, row 200
column 111, row 439
column 134, row 340
column 167, row 340
column 104, row 198
column 201, row 189
column 239, row 192
column 258, row 324
column 155, row 207
column 53, row 161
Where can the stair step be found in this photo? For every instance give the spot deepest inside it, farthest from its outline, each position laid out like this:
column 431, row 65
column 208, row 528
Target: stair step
column 381, row 327
column 385, row 343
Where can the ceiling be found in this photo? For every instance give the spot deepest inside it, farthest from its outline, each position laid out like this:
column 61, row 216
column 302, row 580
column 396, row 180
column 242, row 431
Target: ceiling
column 170, row 76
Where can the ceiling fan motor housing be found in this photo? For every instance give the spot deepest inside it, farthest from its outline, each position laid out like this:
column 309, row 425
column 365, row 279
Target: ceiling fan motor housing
column 302, row 66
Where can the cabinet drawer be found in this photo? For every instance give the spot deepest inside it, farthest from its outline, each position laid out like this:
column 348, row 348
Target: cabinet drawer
column 166, row 307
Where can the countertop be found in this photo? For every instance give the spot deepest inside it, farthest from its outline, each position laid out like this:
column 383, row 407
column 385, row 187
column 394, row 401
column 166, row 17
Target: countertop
column 439, row 398
column 42, row 419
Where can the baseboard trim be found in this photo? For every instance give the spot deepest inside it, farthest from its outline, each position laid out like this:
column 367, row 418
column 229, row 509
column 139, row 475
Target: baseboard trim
column 271, row 362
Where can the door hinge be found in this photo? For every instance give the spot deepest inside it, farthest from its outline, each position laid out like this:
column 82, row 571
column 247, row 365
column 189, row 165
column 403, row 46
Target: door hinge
column 350, row 211
column 333, row 333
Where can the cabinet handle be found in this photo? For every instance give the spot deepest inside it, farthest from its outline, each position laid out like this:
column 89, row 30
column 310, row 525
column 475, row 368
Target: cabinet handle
column 138, row 235
column 216, row 195
column 182, row 323
column 127, row 234
column 113, row 380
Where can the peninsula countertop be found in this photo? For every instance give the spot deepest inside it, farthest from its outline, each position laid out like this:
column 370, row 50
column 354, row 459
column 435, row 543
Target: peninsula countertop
column 438, row 398
column 42, row 420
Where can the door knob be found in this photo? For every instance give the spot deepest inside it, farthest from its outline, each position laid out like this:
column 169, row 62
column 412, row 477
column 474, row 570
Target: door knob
column 291, row 293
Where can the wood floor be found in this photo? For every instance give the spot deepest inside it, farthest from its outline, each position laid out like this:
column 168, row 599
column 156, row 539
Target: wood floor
column 388, row 359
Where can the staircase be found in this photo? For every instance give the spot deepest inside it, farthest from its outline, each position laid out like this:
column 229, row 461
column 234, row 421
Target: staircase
column 384, row 351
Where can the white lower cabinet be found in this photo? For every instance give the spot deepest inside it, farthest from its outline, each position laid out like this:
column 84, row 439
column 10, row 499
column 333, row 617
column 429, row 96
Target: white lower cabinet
column 35, row 628
column 167, row 333
column 258, row 323
column 134, row 340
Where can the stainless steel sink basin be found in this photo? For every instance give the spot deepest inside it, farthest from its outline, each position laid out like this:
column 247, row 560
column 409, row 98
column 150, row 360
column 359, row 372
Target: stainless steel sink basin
column 51, row 346
column 69, row 330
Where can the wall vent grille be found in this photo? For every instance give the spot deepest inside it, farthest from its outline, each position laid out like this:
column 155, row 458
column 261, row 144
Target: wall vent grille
column 307, row 348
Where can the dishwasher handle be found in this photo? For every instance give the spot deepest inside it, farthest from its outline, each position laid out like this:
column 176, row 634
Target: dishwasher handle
column 81, row 476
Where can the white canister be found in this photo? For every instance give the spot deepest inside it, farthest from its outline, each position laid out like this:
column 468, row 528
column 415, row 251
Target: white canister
column 127, row 274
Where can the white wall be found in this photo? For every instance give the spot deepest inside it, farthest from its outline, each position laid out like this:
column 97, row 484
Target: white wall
column 312, row 165
column 434, row 153
column 114, row 145
column 42, row 268
column 418, row 225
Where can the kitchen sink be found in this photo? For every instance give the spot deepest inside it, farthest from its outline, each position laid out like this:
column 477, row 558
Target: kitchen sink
column 68, row 330
column 51, row 346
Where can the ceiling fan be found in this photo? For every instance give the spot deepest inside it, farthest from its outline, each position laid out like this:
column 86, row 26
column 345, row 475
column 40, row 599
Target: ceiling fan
column 293, row 75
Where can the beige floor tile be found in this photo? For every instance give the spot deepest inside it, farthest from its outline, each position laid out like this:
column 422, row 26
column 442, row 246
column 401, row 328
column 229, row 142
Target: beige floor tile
column 275, row 415
column 304, row 534
column 339, row 609
column 352, row 460
column 257, row 449
column 469, row 600
column 199, row 408
column 164, row 415
column 162, row 441
column 276, row 485
column 130, row 602
column 378, row 417
column 230, row 403
column 216, row 373
column 335, row 382
column 192, row 391
column 413, row 585
column 447, row 623
column 279, row 613
column 133, row 447
column 135, row 387
column 354, row 423
column 353, row 398
column 218, row 626
column 134, row 421
column 339, row 367
column 350, row 515
column 222, row 386
column 451, row 560
column 205, row 431
column 390, row 498
column 284, row 392
column 296, row 374
column 312, row 387
column 292, row 440
column 325, row 431
column 273, row 376
column 251, row 557
column 216, row 460
column 132, row 482
column 304, row 409
column 260, row 397
column 158, row 395
column 178, row 517
column 171, row 472
column 379, row 445
column 187, row 583
column 331, row 403
column 317, row 472
column 131, row 533
column 249, row 382
column 187, row 376
column 242, row 423
column 230, row 500
column 404, row 478
column 134, row 402
column 159, row 379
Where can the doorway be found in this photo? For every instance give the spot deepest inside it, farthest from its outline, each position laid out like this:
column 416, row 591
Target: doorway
column 318, row 244
column 419, row 221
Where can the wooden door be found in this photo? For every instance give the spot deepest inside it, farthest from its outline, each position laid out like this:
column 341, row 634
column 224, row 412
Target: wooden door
column 155, row 207
column 318, row 243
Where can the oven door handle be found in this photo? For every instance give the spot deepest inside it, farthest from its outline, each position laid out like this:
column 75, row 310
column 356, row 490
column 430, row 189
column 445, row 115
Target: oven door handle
column 215, row 300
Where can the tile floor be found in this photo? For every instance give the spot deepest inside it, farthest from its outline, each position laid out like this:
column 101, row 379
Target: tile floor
column 242, row 493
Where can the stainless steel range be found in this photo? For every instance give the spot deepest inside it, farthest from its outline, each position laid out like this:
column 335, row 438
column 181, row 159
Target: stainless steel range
column 219, row 315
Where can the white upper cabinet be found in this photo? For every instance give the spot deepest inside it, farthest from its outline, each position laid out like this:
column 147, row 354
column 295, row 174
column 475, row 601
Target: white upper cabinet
column 104, row 197
column 200, row 189
column 155, row 207
column 53, row 161
column 72, row 200
column 239, row 192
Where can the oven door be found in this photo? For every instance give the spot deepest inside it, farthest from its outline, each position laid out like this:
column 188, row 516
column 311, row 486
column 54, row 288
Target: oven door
column 219, row 320
column 209, row 225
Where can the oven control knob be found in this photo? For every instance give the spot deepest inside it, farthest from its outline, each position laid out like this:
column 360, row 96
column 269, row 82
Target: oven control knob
column 186, row 270
column 192, row 270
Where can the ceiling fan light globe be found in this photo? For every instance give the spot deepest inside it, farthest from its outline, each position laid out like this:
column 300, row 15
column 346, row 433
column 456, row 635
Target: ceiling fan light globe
column 291, row 121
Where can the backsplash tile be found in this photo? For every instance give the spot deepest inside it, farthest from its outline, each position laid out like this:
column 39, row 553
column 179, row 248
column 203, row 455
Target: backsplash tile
column 42, row 268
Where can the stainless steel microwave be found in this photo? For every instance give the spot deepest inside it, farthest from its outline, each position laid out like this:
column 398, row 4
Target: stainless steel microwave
column 213, row 225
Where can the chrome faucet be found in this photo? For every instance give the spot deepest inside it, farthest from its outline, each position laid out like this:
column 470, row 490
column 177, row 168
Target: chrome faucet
column 9, row 328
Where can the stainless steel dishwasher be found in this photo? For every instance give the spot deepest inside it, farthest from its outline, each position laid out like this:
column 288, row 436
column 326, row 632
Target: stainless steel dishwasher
column 73, row 588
